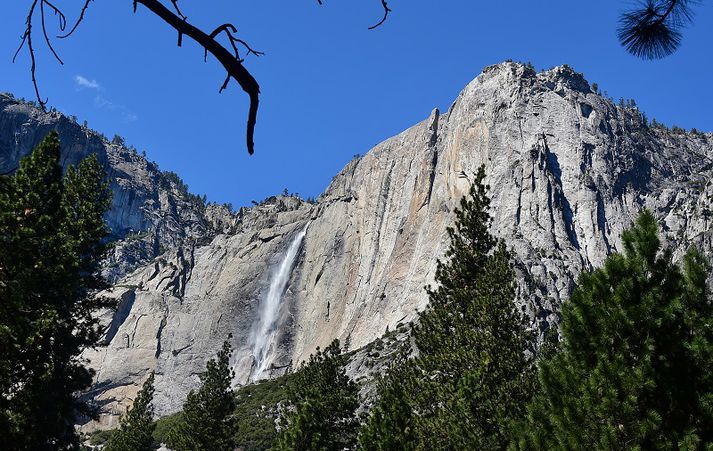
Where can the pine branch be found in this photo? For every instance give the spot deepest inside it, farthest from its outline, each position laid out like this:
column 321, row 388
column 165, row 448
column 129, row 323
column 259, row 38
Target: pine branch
column 653, row 30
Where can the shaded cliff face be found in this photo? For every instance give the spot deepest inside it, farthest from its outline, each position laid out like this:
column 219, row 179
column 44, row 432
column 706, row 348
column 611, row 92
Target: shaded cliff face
column 150, row 211
column 568, row 171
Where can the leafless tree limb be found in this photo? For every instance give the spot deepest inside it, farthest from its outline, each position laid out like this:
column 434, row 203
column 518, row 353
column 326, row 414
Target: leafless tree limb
column 386, row 14
column 27, row 41
column 79, row 20
column 230, row 30
column 387, row 10
column 178, row 10
column 62, row 25
column 229, row 57
column 231, row 62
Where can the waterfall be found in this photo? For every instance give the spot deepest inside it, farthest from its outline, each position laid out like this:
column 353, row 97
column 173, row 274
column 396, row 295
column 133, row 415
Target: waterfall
column 264, row 334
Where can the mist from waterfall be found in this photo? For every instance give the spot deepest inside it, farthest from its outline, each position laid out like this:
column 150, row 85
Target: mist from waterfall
column 263, row 336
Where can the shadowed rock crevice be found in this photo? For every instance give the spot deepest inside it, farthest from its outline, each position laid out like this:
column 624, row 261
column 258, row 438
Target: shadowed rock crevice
column 126, row 302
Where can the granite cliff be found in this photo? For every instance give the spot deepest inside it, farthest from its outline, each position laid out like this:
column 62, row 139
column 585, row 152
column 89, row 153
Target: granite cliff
column 568, row 170
column 151, row 210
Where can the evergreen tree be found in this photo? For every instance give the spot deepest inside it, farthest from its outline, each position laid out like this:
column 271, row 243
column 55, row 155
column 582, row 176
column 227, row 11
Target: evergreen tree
column 207, row 422
column 137, row 426
column 325, row 401
column 391, row 422
column 471, row 378
column 634, row 366
column 51, row 239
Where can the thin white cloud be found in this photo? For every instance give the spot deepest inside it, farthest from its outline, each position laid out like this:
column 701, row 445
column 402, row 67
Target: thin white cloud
column 84, row 82
column 103, row 103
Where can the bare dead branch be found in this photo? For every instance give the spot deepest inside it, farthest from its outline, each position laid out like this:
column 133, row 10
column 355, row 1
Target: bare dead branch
column 225, row 84
column 229, row 29
column 22, row 44
column 231, row 62
column 386, row 14
column 181, row 15
column 79, row 20
column 61, row 17
column 178, row 10
column 27, row 41
column 387, row 10
column 62, row 24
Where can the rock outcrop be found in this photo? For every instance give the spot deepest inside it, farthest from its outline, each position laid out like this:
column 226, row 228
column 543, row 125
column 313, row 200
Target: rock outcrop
column 568, row 171
column 151, row 210
column 176, row 312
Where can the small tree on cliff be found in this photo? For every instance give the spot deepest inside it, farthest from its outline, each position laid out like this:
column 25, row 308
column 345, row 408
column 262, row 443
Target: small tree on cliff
column 471, row 379
column 325, row 401
column 634, row 369
column 207, row 422
column 137, row 426
column 51, row 239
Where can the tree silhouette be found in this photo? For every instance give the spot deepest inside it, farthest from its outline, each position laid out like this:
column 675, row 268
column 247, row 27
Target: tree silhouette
column 52, row 235
column 230, row 55
column 653, row 30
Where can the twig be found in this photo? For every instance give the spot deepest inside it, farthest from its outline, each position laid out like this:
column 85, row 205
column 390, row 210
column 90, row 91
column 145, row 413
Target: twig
column 386, row 14
column 231, row 62
column 62, row 24
column 229, row 29
column 76, row 24
column 178, row 10
column 27, row 40
column 387, row 10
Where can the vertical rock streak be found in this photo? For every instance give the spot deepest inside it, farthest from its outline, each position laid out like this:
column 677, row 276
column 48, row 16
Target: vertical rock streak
column 263, row 335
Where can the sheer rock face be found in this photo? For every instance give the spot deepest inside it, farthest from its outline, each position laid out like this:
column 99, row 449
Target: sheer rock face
column 568, row 171
column 175, row 313
column 150, row 212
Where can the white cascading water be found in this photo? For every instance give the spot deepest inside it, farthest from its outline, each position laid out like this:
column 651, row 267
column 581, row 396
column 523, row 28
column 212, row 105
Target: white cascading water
column 264, row 334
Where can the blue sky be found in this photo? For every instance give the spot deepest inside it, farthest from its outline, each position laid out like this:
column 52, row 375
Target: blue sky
column 330, row 88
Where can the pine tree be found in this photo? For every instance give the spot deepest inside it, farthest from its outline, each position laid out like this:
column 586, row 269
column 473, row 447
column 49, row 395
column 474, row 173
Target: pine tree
column 137, row 426
column 325, row 402
column 634, row 366
column 51, row 239
column 391, row 422
column 471, row 378
column 207, row 422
